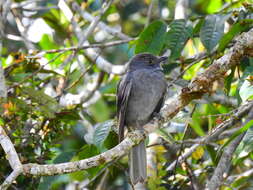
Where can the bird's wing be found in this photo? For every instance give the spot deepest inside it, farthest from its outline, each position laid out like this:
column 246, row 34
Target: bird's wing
column 159, row 104
column 123, row 92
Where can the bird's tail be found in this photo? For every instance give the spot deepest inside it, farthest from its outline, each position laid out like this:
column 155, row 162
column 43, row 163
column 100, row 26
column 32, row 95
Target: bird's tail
column 138, row 163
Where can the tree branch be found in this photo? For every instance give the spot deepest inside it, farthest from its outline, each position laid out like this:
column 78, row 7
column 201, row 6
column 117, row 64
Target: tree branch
column 225, row 160
column 117, row 151
column 101, row 25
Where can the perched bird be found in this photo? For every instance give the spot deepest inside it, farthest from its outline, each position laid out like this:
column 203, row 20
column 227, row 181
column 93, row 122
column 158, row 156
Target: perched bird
column 140, row 95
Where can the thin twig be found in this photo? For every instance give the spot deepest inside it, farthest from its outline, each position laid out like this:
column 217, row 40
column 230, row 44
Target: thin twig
column 78, row 48
column 101, row 25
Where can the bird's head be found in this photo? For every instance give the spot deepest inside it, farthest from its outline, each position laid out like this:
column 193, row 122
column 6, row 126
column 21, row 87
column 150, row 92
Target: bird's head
column 146, row 60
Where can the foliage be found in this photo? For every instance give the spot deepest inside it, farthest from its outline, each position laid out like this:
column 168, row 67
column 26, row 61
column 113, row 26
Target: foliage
column 49, row 121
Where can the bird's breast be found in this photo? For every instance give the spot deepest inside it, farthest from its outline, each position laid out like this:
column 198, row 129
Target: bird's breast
column 147, row 89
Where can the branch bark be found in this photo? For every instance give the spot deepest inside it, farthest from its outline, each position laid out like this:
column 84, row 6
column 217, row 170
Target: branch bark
column 116, row 152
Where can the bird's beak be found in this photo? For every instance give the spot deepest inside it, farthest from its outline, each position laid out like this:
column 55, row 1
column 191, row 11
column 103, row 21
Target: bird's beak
column 162, row 59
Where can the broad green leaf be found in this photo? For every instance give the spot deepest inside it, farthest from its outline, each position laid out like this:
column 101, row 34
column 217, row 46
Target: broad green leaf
column 100, row 110
column 152, row 39
column 58, row 21
column 64, row 157
column 212, row 30
column 111, row 140
column 212, row 152
column 47, row 42
column 177, row 37
column 101, row 132
column 46, row 182
column 198, row 26
column 237, row 28
column 196, row 124
column 214, row 6
column 246, row 90
column 247, row 143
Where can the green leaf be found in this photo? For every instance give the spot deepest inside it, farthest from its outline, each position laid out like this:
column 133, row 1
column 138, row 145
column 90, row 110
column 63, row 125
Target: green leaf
column 248, row 71
column 228, row 80
column 87, row 151
column 212, row 30
column 177, row 37
column 17, row 77
column 196, row 123
column 198, row 26
column 237, row 133
column 152, row 39
column 237, row 28
column 246, row 90
column 101, row 132
column 46, row 182
column 46, row 104
column 47, row 42
column 100, row 110
column 1, row 121
column 64, row 157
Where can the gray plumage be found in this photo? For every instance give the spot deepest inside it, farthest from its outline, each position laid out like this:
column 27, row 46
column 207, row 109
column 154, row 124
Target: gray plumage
column 140, row 94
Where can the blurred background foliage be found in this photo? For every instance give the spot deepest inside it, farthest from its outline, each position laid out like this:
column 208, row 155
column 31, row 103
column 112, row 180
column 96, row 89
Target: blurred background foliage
column 61, row 105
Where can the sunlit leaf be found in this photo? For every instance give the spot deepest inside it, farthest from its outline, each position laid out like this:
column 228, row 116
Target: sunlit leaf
column 198, row 153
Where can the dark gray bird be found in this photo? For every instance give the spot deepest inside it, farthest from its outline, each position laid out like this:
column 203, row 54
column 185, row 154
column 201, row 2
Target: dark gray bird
column 140, row 94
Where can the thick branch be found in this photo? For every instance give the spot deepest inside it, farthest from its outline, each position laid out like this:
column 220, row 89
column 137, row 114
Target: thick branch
column 116, row 152
column 9, row 180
